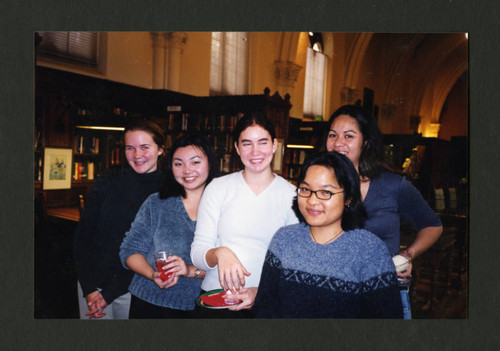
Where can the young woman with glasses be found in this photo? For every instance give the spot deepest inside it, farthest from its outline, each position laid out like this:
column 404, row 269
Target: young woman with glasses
column 325, row 266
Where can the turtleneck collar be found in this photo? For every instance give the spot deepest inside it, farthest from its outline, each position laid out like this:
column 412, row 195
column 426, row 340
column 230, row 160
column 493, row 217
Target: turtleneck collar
column 145, row 177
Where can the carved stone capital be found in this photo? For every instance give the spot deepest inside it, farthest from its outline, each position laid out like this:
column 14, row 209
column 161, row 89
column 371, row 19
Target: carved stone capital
column 158, row 39
column 349, row 95
column 286, row 73
column 388, row 111
column 175, row 40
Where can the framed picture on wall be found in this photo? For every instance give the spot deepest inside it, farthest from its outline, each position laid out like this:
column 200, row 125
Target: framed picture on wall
column 277, row 164
column 57, row 168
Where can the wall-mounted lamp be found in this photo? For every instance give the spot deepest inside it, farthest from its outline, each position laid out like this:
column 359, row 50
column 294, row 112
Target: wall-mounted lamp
column 295, row 146
column 101, row 128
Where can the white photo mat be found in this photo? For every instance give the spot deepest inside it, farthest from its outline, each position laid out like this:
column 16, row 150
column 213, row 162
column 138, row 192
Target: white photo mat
column 57, row 165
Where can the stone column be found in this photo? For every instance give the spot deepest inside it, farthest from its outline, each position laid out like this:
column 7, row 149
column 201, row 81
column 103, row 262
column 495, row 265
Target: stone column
column 158, row 40
column 285, row 74
column 175, row 42
column 348, row 96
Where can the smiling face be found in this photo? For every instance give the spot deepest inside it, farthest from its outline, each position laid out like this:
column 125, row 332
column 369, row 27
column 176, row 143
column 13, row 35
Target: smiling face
column 141, row 151
column 190, row 167
column 346, row 138
column 323, row 216
column 256, row 149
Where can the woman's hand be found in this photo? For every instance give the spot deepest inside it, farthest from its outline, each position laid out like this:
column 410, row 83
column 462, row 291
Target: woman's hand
column 176, row 265
column 96, row 304
column 231, row 271
column 406, row 273
column 155, row 277
column 247, row 296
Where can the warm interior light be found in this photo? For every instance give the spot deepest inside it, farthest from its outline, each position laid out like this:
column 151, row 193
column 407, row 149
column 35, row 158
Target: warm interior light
column 431, row 130
column 101, row 128
column 467, row 35
column 295, row 146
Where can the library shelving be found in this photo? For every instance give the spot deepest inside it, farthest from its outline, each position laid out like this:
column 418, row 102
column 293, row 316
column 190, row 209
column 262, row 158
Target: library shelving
column 88, row 115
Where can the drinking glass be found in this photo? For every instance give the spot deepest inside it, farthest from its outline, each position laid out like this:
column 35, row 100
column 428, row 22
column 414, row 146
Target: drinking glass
column 161, row 260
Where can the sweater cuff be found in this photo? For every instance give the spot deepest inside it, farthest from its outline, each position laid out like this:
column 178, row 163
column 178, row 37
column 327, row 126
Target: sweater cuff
column 87, row 287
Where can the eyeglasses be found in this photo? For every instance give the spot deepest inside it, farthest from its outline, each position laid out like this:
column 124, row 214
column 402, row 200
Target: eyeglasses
column 320, row 194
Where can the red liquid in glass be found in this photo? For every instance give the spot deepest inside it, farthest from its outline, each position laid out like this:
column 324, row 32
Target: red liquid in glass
column 163, row 275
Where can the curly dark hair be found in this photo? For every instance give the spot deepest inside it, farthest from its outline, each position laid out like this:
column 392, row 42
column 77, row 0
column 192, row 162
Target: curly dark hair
column 372, row 159
column 347, row 177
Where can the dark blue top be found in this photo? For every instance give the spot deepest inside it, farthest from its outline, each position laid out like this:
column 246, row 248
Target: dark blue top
column 162, row 224
column 110, row 207
column 390, row 200
column 352, row 277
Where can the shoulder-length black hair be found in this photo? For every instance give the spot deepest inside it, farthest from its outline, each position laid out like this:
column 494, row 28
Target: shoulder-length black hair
column 348, row 179
column 372, row 159
column 169, row 186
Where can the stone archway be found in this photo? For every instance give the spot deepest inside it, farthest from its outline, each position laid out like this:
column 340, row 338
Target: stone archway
column 438, row 79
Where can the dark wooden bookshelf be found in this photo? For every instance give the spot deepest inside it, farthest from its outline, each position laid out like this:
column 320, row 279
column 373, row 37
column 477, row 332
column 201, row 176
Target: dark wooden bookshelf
column 66, row 104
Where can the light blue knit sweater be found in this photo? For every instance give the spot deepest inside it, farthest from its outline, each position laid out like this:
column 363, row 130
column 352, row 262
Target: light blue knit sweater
column 162, row 224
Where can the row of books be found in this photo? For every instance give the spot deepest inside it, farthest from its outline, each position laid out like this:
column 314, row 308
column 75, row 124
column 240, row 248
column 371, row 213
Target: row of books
column 229, row 163
column 222, row 143
column 86, row 144
column 293, row 172
column 84, row 170
column 118, row 112
column 116, row 156
column 199, row 122
column 38, row 167
column 295, row 156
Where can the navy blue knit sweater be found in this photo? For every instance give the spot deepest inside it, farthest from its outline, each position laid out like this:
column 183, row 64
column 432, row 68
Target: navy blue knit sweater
column 110, row 208
column 352, row 277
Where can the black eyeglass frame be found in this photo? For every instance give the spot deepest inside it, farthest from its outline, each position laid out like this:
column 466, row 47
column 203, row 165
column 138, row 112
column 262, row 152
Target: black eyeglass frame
column 315, row 192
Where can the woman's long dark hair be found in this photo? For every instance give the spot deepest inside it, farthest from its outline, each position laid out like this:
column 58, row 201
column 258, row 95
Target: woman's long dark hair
column 347, row 177
column 169, row 186
column 372, row 159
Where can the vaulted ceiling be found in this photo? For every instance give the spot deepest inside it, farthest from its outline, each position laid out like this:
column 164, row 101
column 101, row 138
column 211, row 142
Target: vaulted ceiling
column 411, row 74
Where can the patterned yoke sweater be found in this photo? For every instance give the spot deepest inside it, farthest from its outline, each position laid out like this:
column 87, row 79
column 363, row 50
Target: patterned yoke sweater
column 352, row 277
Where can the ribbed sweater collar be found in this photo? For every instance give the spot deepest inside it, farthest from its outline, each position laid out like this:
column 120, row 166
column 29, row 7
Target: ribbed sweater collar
column 144, row 177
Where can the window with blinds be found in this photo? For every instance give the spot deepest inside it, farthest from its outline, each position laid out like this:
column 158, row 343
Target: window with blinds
column 315, row 79
column 229, row 63
column 72, row 46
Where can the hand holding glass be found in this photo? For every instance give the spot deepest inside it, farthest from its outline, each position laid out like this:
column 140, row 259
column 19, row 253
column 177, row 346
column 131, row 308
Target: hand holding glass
column 234, row 300
column 161, row 260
